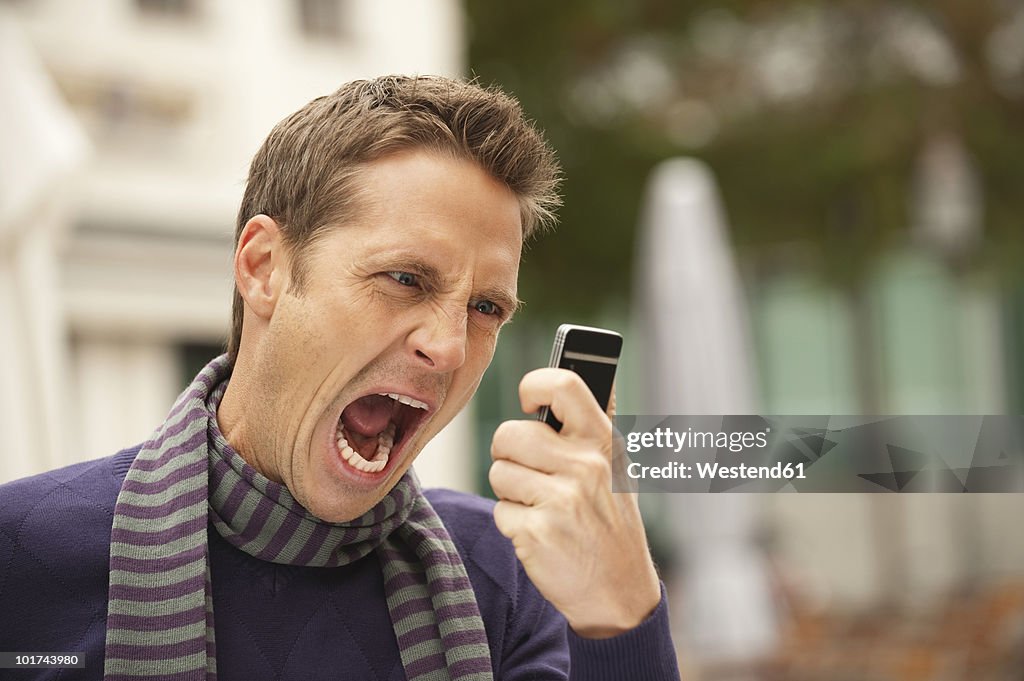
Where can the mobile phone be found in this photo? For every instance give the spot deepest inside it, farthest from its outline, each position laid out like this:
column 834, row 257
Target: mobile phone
column 593, row 354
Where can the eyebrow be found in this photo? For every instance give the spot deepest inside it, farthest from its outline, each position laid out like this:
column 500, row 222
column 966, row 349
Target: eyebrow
column 509, row 303
column 503, row 297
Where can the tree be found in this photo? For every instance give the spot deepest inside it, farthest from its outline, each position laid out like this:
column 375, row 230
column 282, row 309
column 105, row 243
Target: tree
column 813, row 115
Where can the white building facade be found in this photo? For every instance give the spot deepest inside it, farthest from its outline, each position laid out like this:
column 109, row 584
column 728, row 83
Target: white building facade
column 124, row 157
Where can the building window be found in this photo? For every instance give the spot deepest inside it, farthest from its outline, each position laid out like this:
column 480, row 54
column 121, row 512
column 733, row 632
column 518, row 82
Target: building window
column 192, row 357
column 130, row 116
column 172, row 9
column 322, row 19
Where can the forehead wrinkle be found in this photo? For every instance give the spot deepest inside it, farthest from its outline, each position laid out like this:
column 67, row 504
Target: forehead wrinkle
column 415, row 264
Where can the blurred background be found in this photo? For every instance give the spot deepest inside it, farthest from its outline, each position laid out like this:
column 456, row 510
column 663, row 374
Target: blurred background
column 787, row 207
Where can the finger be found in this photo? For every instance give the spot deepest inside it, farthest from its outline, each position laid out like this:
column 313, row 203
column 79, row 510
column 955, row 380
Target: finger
column 523, row 526
column 568, row 397
column 514, row 482
column 533, row 444
column 511, row 518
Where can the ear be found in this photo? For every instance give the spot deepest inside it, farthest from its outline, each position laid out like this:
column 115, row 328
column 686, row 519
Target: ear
column 261, row 265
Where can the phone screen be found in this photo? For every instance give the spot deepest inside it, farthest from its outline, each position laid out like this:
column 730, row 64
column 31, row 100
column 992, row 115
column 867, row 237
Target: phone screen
column 598, row 375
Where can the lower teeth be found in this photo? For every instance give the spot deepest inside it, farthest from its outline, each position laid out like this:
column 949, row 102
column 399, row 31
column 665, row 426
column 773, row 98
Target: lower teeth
column 385, row 441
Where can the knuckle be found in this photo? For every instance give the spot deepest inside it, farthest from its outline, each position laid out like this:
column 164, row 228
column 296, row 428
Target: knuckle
column 593, row 467
column 522, row 553
column 591, row 463
column 504, row 436
column 573, row 497
column 529, row 381
column 576, row 500
column 494, row 476
column 567, row 380
column 537, row 529
column 501, row 518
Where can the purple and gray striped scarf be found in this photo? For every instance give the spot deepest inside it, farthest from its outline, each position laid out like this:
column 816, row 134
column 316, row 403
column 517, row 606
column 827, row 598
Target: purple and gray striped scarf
column 160, row 609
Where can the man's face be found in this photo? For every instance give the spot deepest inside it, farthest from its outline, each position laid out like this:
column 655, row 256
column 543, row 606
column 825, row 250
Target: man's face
column 405, row 300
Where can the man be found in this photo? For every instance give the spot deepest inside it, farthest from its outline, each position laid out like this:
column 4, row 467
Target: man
column 271, row 527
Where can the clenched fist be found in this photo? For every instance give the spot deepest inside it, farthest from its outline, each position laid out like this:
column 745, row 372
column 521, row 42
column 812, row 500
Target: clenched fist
column 583, row 546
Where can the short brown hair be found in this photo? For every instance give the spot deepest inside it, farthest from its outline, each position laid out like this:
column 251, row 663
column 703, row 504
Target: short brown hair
column 303, row 175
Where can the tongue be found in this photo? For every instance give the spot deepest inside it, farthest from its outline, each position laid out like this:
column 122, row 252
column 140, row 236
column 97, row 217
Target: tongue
column 368, row 415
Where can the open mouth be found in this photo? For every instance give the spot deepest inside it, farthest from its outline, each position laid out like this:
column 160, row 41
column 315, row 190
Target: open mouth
column 373, row 429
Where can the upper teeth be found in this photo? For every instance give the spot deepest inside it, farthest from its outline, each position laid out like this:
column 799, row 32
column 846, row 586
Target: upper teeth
column 405, row 399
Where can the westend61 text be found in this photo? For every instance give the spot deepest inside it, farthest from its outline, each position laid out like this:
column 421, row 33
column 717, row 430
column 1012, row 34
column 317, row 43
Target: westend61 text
column 677, row 470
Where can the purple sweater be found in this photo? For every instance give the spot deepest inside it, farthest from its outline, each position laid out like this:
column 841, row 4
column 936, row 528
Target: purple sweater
column 279, row 621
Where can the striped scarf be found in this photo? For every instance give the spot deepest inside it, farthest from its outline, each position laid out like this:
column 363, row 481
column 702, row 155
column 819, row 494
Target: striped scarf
column 160, row 622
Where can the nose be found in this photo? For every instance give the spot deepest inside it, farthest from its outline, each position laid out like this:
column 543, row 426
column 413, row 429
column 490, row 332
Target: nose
column 439, row 342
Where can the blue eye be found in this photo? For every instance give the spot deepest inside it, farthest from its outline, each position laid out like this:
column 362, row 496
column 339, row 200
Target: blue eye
column 486, row 307
column 404, row 278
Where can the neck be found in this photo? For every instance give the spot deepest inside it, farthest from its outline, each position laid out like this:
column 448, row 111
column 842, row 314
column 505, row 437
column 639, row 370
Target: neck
column 236, row 411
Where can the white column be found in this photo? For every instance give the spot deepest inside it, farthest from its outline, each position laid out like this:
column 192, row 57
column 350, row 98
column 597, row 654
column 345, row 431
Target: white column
column 123, row 391
column 447, row 460
column 699, row 361
column 40, row 146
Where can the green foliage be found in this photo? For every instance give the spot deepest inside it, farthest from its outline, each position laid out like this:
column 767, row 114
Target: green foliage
column 830, row 165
